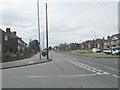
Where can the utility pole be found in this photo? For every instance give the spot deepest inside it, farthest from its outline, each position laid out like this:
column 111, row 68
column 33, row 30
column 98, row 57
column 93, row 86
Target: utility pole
column 43, row 39
column 39, row 28
column 47, row 32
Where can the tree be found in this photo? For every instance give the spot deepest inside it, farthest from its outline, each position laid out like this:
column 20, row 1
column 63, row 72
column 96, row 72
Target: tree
column 34, row 45
column 63, row 46
column 50, row 47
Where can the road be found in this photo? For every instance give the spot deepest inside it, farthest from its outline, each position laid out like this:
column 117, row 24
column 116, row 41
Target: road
column 64, row 71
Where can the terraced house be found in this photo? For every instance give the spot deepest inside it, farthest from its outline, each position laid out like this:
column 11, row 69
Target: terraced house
column 11, row 42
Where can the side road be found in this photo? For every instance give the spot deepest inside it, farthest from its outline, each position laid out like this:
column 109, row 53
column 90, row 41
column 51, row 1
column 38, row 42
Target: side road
column 25, row 62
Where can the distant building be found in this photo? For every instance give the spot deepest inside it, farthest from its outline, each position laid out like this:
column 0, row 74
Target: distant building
column 111, row 41
column 73, row 46
column 11, row 42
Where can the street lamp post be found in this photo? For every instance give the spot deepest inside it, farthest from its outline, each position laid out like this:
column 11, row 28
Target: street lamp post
column 94, row 34
column 39, row 27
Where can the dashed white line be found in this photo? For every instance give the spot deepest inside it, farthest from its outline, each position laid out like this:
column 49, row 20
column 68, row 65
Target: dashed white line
column 99, row 73
column 112, row 69
column 106, row 73
column 116, row 76
column 99, row 70
column 92, row 69
column 88, row 69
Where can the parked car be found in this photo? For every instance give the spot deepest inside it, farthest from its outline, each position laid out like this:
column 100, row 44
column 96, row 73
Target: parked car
column 95, row 50
column 107, row 51
column 115, row 50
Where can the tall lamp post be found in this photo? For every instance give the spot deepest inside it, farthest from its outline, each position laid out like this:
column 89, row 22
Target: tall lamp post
column 39, row 27
column 47, row 32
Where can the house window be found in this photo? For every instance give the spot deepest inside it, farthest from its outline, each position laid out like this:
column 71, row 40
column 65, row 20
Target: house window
column 118, row 41
column 6, row 38
column 98, row 46
column 89, row 46
column 18, row 47
column 82, row 46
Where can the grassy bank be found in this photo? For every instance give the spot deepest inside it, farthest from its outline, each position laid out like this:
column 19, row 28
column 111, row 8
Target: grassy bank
column 95, row 55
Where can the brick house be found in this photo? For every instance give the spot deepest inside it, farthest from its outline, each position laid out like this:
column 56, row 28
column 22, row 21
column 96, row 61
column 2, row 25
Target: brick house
column 11, row 42
column 87, row 45
column 99, row 43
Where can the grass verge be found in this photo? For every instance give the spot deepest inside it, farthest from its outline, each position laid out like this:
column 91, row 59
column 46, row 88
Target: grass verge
column 94, row 55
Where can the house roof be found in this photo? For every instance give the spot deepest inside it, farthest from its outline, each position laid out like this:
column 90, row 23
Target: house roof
column 12, row 35
column 114, row 37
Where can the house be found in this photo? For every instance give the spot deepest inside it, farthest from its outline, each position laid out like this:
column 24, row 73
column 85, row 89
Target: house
column 112, row 41
column 87, row 45
column 11, row 42
column 99, row 43
column 73, row 46
column 90, row 44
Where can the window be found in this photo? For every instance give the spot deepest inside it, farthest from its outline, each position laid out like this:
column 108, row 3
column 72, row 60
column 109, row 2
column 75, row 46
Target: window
column 6, row 38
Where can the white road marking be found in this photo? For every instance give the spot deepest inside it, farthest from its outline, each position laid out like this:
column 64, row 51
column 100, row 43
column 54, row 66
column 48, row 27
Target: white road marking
column 99, row 73
column 93, row 70
column 99, row 70
column 116, row 76
column 112, row 69
column 65, row 75
column 106, row 73
column 88, row 67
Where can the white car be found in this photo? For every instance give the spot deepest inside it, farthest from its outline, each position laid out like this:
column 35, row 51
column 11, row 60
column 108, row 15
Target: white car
column 115, row 50
column 107, row 51
column 95, row 50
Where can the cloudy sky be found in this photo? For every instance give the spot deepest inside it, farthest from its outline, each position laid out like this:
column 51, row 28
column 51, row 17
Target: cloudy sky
column 69, row 21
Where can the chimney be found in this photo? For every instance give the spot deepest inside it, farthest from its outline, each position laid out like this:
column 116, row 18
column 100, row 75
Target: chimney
column 108, row 37
column 20, row 38
column 8, row 30
column 103, row 38
column 14, row 32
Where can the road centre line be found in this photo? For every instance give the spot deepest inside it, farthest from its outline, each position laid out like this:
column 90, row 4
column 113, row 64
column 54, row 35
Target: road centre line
column 88, row 67
column 99, row 65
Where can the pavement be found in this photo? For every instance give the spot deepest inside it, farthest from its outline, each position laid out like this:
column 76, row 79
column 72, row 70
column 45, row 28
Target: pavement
column 64, row 71
column 25, row 62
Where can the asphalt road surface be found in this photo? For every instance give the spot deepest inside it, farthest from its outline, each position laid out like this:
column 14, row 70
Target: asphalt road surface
column 64, row 71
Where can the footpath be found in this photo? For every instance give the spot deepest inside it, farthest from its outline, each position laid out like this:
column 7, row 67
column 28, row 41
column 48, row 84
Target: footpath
column 25, row 62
